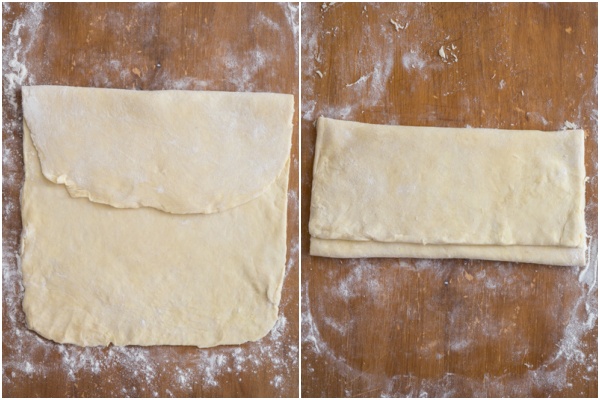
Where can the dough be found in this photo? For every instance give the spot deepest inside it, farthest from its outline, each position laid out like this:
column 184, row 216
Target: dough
column 240, row 152
column 208, row 270
column 393, row 191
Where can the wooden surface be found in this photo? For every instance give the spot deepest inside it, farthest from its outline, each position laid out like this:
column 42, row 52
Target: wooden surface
column 427, row 328
column 231, row 47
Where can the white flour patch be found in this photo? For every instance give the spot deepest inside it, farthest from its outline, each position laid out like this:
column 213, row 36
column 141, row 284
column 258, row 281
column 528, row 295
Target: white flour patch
column 277, row 381
column 344, row 112
column 569, row 125
column 381, row 74
column 460, row 345
column 311, row 334
column 242, row 71
column 291, row 13
column 293, row 258
column 268, row 22
column 362, row 280
column 293, row 200
column 537, row 116
column 360, row 80
column 14, row 68
column 308, row 110
column 187, row 83
column 340, row 328
column 413, row 60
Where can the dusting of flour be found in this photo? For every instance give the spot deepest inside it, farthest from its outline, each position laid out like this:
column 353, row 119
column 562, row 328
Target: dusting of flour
column 384, row 58
column 364, row 282
column 145, row 371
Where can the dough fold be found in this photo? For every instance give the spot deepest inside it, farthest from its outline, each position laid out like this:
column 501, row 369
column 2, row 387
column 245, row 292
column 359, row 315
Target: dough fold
column 177, row 151
column 394, row 191
column 127, row 272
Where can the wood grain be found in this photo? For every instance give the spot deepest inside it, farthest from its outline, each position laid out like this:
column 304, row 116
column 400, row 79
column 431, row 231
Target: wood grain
column 437, row 328
column 230, row 47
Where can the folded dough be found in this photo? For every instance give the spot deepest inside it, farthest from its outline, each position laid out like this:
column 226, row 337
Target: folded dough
column 154, row 239
column 177, row 151
column 393, row 191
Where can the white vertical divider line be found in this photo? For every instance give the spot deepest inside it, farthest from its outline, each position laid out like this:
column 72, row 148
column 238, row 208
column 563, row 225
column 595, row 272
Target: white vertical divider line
column 299, row 55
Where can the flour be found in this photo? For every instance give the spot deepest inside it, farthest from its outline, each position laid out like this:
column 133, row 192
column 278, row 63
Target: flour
column 326, row 6
column 277, row 381
column 569, row 125
column 538, row 116
column 381, row 74
column 360, row 80
column 361, row 282
column 15, row 71
column 291, row 13
column 340, row 328
column 360, row 285
column 413, row 60
column 367, row 79
column 265, row 20
column 144, row 371
column 502, row 282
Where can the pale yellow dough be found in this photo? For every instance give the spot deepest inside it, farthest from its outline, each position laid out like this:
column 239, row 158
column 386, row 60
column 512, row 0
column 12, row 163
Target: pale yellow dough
column 174, row 150
column 394, row 191
column 182, row 252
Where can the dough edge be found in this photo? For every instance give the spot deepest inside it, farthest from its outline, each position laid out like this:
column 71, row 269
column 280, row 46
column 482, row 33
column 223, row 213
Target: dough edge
column 548, row 255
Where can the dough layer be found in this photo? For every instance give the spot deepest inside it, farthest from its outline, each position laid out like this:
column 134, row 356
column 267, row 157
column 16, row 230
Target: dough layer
column 174, row 150
column 393, row 191
column 95, row 274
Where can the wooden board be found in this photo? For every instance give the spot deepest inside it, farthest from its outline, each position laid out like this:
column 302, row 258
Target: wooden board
column 231, row 47
column 433, row 328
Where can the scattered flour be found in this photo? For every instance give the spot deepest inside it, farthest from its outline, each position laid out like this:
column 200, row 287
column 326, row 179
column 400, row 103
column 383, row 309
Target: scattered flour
column 360, row 80
column 277, row 381
column 502, row 282
column 373, row 65
column 291, row 11
column 538, row 116
column 569, row 125
column 145, row 371
column 14, row 70
column 326, row 6
column 340, row 328
column 359, row 286
column 413, row 60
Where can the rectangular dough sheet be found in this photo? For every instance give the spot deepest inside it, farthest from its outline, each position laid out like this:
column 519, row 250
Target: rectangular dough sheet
column 396, row 191
column 154, row 218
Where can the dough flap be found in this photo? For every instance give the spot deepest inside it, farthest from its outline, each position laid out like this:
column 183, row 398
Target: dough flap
column 130, row 149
